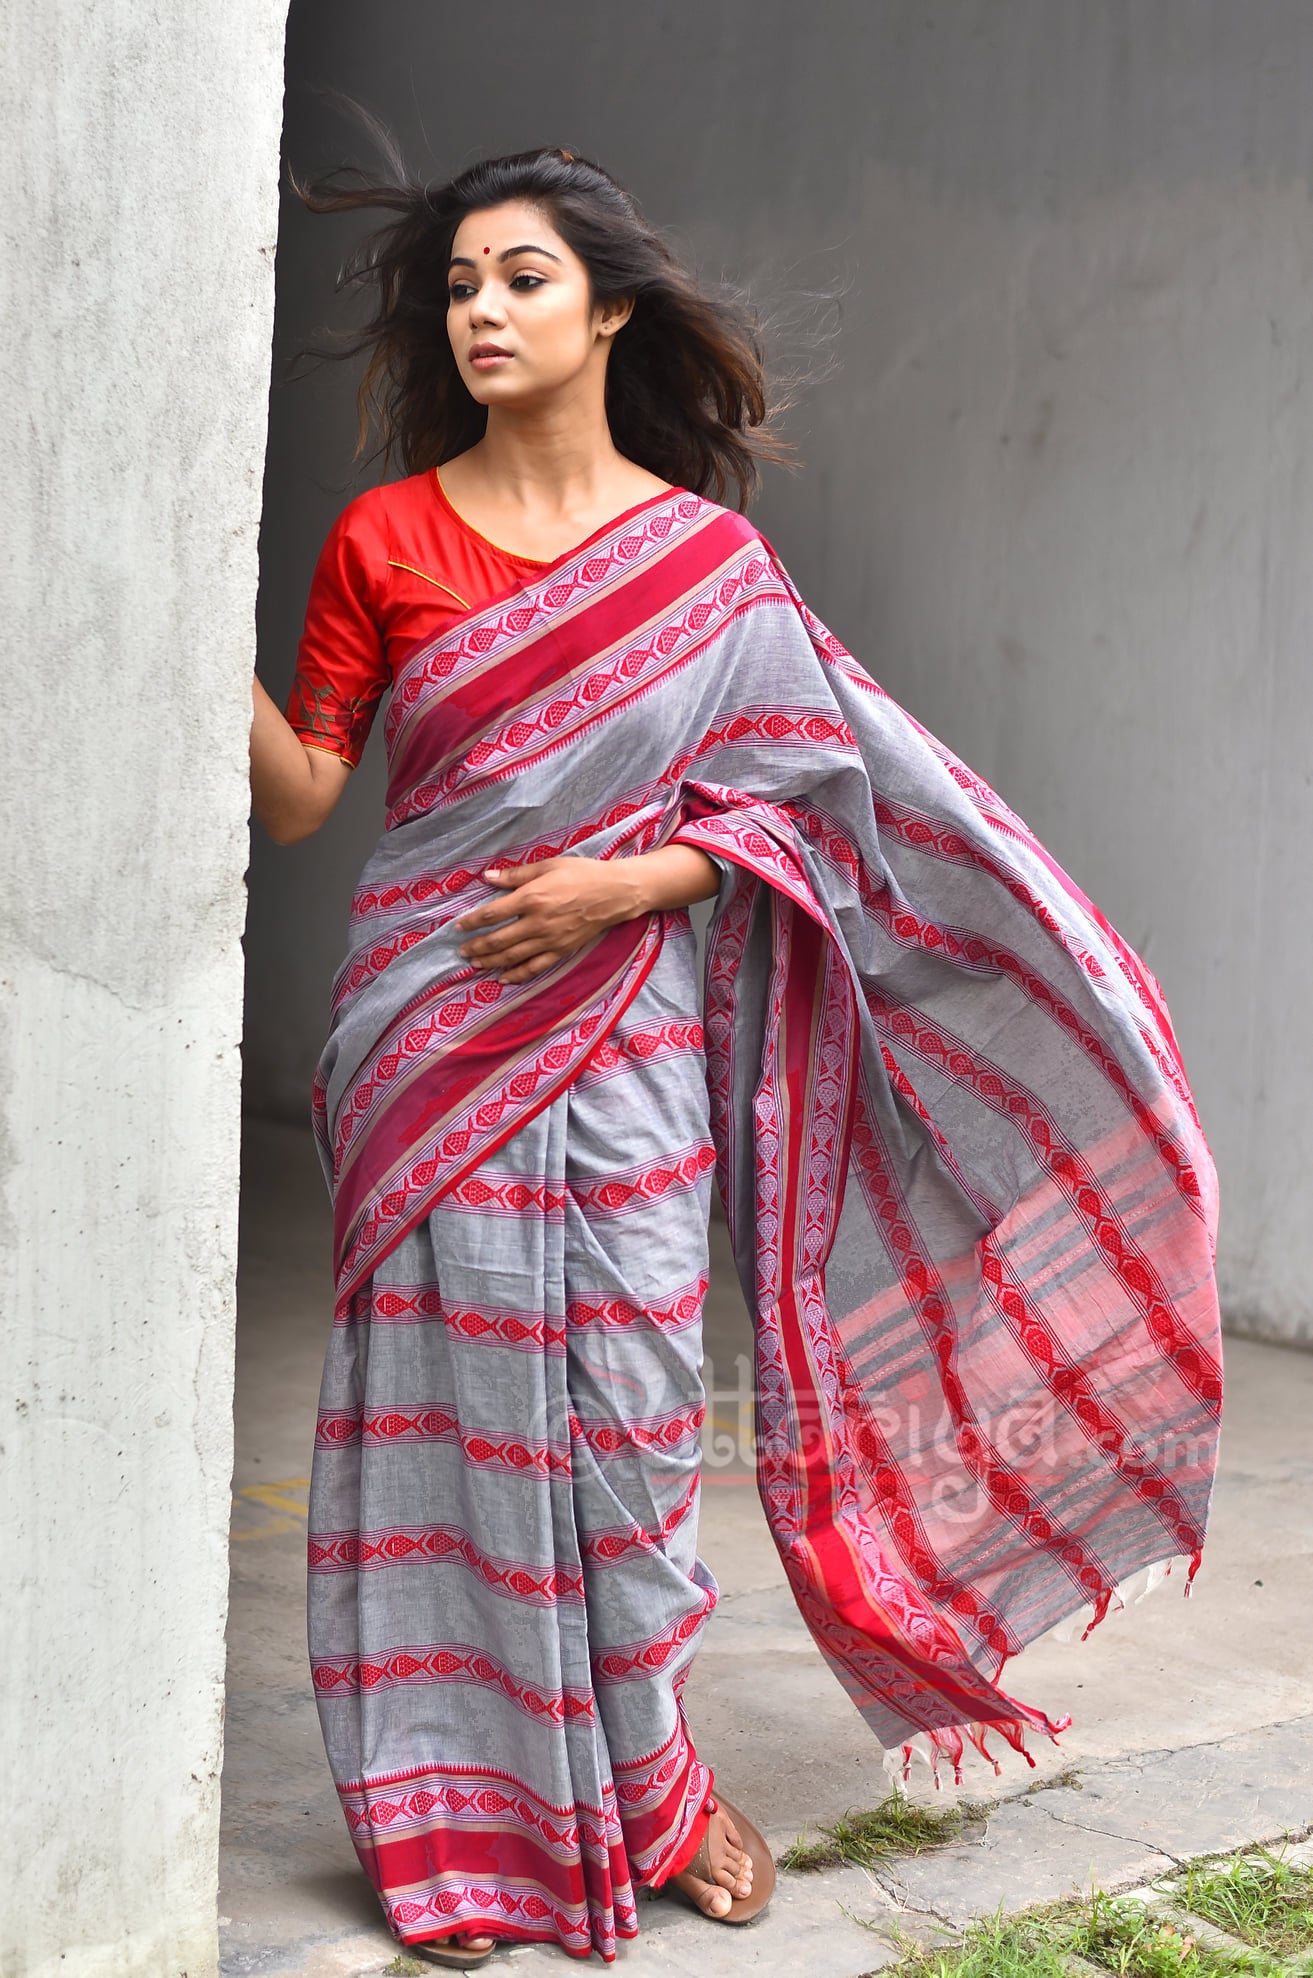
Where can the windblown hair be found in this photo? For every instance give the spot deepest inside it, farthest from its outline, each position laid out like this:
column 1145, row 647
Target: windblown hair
column 686, row 390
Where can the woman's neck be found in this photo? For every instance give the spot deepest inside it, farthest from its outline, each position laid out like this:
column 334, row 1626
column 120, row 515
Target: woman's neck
column 538, row 485
column 554, row 463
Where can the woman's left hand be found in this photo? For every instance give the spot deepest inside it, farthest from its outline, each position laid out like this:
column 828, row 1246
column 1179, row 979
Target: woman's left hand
column 558, row 906
column 547, row 911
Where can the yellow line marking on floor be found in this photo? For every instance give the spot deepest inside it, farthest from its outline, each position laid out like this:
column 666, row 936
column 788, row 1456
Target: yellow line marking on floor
column 290, row 1513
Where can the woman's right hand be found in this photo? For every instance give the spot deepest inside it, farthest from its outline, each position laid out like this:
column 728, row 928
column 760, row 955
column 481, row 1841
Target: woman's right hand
column 293, row 788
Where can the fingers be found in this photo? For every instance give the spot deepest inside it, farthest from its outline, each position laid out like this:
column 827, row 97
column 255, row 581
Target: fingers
column 509, row 928
column 519, row 942
column 515, row 875
column 513, row 954
column 490, row 914
column 495, row 948
column 538, row 966
column 508, row 877
column 516, row 958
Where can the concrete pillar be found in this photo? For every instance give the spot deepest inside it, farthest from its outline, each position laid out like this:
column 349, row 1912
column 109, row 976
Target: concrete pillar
column 138, row 205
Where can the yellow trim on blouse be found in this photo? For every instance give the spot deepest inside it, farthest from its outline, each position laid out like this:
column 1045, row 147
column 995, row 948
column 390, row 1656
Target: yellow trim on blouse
column 324, row 749
column 395, row 564
column 537, row 562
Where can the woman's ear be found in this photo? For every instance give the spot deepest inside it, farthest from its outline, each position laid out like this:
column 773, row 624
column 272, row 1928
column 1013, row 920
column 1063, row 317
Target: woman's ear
column 613, row 315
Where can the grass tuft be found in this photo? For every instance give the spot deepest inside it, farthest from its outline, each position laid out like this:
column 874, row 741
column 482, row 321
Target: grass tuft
column 405, row 1967
column 895, row 1826
column 1260, row 1898
column 997, row 1947
column 1116, row 1935
column 1132, row 1941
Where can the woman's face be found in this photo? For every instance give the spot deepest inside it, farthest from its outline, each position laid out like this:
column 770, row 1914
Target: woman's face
column 515, row 287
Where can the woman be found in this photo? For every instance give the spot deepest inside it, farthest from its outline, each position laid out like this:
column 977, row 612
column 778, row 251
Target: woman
column 971, row 1205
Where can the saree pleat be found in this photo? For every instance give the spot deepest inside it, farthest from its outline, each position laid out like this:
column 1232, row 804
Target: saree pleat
column 972, row 1207
column 505, row 1593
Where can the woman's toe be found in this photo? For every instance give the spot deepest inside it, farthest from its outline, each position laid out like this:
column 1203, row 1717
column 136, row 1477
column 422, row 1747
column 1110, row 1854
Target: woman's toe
column 716, row 1902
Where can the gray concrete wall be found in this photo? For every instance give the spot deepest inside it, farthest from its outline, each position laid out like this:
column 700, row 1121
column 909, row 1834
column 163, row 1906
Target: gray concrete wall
column 1057, row 498
column 138, row 205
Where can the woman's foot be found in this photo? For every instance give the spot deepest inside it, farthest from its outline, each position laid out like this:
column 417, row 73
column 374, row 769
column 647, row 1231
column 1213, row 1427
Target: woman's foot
column 471, row 1944
column 731, row 1868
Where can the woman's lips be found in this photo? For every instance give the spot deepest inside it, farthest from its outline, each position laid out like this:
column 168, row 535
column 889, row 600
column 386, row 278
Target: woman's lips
column 489, row 360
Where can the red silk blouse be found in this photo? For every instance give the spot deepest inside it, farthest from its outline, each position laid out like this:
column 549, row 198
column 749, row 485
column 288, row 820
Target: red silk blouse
column 399, row 564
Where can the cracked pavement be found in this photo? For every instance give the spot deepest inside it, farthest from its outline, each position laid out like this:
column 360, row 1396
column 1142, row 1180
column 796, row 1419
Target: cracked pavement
column 1193, row 1720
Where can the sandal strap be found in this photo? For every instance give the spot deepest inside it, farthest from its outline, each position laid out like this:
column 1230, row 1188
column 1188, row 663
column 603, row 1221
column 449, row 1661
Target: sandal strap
column 700, row 1865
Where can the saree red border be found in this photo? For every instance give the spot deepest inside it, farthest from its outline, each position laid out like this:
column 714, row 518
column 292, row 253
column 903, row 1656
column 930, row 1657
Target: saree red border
column 492, row 628
column 546, row 1868
column 548, row 662
column 820, row 1555
column 548, row 724
column 434, row 1141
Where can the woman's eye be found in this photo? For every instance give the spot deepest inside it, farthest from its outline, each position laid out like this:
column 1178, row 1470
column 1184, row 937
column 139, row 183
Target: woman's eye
column 459, row 291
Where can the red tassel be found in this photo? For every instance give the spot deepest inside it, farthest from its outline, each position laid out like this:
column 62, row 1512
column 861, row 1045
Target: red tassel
column 948, row 1739
column 1100, row 1611
column 1014, row 1731
column 976, row 1733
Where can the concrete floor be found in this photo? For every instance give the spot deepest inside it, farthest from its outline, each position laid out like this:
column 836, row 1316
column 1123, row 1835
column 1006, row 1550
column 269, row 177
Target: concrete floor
column 1167, row 1677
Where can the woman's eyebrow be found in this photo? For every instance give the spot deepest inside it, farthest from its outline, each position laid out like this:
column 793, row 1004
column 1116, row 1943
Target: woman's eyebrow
column 527, row 247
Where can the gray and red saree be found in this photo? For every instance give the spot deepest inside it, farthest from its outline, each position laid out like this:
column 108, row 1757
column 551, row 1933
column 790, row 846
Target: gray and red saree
column 971, row 1205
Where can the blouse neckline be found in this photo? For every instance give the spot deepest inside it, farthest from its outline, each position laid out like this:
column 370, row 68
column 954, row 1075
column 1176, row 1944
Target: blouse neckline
column 540, row 562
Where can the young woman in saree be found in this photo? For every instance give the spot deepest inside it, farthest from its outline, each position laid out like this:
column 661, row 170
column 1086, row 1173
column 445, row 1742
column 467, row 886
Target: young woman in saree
column 971, row 1205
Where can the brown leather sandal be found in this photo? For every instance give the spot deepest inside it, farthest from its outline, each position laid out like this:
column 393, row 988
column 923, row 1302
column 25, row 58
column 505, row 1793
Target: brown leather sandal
column 741, row 1909
column 441, row 1951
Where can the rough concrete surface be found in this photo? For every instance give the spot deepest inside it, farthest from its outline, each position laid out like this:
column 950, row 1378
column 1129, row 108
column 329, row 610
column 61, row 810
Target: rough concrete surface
column 1194, row 1720
column 137, row 206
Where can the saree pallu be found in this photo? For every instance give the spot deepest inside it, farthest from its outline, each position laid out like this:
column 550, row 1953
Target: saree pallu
column 971, row 1205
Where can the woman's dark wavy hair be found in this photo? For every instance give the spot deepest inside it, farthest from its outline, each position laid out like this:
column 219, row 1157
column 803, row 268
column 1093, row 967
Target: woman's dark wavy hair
column 686, row 391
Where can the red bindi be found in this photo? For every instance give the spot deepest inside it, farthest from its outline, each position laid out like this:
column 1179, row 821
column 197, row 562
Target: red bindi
column 487, row 250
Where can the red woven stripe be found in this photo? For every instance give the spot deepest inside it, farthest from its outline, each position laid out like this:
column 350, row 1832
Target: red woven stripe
column 441, row 733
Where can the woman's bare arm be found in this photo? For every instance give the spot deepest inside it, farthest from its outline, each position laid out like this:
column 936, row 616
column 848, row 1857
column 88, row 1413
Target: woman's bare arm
column 293, row 788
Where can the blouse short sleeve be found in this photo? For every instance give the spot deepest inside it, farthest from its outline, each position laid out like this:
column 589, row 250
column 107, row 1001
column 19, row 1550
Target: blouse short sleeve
column 341, row 663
